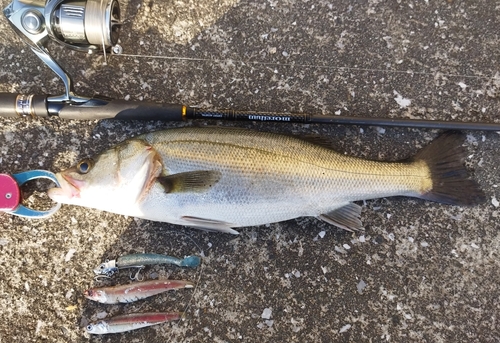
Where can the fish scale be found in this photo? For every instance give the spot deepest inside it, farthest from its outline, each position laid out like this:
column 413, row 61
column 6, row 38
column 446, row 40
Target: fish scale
column 221, row 178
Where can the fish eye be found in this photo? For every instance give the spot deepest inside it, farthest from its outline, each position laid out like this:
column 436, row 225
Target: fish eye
column 90, row 327
column 84, row 166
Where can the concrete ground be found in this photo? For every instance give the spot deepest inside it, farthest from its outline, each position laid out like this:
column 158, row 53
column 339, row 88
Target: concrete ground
column 421, row 272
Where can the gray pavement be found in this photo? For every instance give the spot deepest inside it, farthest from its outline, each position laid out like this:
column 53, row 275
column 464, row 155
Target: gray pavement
column 421, row 272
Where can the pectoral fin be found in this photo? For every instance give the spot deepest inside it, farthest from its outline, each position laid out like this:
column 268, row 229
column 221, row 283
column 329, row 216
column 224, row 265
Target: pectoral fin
column 209, row 224
column 195, row 181
column 346, row 217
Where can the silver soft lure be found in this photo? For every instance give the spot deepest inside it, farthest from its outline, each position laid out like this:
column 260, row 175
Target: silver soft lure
column 130, row 322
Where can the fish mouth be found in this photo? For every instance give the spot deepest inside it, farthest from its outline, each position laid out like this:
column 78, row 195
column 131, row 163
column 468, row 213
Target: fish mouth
column 69, row 188
column 90, row 294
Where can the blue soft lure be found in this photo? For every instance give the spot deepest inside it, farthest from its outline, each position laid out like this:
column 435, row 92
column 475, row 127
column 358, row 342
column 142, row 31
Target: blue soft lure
column 110, row 267
column 190, row 262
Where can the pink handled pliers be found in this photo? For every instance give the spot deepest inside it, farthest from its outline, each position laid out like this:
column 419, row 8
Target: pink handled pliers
column 10, row 194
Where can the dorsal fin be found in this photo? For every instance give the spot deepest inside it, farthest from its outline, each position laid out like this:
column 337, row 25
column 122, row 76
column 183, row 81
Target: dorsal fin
column 317, row 140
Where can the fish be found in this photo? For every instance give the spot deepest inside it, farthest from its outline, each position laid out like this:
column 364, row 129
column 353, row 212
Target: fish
column 133, row 321
column 134, row 291
column 218, row 179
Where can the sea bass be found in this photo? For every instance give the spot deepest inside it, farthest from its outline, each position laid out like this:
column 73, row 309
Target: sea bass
column 222, row 178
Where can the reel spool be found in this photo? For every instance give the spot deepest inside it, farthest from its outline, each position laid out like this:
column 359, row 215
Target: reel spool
column 86, row 24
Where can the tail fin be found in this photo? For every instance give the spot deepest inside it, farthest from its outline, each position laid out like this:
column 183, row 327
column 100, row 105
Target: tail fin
column 445, row 158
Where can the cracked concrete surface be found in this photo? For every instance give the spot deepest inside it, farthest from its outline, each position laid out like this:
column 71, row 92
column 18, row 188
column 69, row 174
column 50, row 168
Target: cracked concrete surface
column 421, row 272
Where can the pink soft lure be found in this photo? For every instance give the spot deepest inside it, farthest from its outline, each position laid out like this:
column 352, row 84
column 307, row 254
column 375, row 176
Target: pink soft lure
column 134, row 291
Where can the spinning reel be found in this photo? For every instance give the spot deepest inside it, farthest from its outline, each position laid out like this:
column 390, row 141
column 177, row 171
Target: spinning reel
column 82, row 25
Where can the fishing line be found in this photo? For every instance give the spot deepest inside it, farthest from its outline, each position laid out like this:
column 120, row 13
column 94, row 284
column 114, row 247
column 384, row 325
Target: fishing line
column 102, row 36
column 299, row 65
column 201, row 267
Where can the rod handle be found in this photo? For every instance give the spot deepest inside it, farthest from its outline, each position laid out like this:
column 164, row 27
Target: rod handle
column 123, row 110
column 8, row 105
column 22, row 105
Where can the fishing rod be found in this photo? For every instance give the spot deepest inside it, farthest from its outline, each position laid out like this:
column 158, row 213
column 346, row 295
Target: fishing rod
column 94, row 26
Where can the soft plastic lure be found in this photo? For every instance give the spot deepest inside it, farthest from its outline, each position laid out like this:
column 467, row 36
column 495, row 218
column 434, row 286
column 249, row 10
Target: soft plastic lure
column 109, row 268
column 130, row 322
column 134, row 291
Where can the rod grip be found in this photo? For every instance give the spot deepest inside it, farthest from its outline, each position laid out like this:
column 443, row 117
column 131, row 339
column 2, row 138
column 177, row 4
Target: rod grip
column 22, row 105
column 122, row 110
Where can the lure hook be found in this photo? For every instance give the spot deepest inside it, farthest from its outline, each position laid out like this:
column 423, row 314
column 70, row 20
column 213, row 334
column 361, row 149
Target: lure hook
column 137, row 275
column 102, row 276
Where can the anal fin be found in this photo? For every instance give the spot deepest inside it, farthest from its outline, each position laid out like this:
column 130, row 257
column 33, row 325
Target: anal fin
column 346, row 217
column 209, row 224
